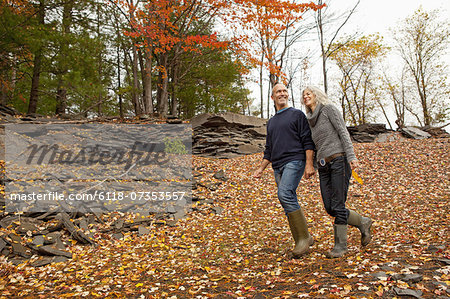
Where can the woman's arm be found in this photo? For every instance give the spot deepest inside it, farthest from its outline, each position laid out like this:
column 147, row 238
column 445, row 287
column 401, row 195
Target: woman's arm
column 337, row 121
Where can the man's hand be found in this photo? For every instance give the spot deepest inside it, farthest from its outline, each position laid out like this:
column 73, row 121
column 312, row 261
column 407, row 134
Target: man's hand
column 258, row 172
column 309, row 171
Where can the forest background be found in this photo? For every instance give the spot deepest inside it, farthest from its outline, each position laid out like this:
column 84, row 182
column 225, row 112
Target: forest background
column 89, row 58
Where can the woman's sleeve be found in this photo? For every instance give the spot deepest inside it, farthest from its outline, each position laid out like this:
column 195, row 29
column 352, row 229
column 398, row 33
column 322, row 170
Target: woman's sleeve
column 338, row 123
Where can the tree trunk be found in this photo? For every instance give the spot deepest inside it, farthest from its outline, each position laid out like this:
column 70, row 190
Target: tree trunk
column 127, row 60
column 322, row 47
column 384, row 113
column 269, row 99
column 3, row 93
column 164, row 104
column 423, row 98
column 261, row 80
column 292, row 96
column 61, row 99
column 343, row 107
column 61, row 96
column 174, row 107
column 142, row 72
column 34, row 93
column 134, row 93
column 163, row 92
column 100, row 66
column 119, row 83
column 148, row 101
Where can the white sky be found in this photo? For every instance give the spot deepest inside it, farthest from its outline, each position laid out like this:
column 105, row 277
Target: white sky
column 378, row 15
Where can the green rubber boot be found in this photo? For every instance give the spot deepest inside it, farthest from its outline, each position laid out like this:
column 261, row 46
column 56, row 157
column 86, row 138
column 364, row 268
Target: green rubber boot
column 364, row 224
column 299, row 230
column 340, row 241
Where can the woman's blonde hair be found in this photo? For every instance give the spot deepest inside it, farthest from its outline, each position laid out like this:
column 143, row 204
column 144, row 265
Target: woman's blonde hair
column 321, row 97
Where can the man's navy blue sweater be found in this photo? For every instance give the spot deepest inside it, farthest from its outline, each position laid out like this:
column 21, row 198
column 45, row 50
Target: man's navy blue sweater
column 288, row 137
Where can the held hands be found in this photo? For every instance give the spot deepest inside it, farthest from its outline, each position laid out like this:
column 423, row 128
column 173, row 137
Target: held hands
column 309, row 167
column 309, row 170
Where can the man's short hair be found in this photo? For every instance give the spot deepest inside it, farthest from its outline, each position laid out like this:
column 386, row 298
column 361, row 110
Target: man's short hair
column 273, row 87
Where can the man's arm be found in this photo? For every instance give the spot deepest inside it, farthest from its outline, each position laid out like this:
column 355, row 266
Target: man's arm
column 267, row 154
column 309, row 168
column 258, row 172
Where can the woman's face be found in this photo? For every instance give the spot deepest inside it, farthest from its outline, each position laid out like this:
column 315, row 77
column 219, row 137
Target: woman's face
column 309, row 98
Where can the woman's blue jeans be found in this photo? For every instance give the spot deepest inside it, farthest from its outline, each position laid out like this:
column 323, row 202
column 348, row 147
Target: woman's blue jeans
column 334, row 181
column 287, row 178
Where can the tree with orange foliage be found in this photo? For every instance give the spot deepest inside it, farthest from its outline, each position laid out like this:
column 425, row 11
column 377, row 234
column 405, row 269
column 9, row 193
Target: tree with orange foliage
column 165, row 30
column 273, row 26
column 168, row 28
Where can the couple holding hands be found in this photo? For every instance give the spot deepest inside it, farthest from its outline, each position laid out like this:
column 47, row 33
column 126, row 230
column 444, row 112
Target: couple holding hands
column 294, row 140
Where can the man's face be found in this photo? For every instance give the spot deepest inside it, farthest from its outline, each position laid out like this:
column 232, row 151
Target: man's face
column 280, row 96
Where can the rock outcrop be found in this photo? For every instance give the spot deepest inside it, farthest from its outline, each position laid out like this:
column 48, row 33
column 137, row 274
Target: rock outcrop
column 367, row 132
column 228, row 135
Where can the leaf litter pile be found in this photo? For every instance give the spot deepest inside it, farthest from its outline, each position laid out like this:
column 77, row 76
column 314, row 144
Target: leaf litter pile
column 235, row 241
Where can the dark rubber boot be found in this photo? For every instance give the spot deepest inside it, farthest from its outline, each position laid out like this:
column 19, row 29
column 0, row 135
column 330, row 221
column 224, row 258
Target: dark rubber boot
column 340, row 241
column 299, row 230
column 364, row 224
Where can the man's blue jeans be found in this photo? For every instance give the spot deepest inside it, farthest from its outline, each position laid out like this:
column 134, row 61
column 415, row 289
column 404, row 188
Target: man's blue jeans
column 287, row 178
column 334, row 181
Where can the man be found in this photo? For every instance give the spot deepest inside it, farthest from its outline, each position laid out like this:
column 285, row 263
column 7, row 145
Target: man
column 290, row 149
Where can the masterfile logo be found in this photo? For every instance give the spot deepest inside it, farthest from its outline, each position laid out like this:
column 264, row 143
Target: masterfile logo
column 105, row 167
column 140, row 154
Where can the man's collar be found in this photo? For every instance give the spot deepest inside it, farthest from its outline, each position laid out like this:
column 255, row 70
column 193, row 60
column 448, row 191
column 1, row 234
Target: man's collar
column 281, row 110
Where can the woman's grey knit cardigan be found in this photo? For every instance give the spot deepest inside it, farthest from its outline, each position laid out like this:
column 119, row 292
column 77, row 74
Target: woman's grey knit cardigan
column 329, row 132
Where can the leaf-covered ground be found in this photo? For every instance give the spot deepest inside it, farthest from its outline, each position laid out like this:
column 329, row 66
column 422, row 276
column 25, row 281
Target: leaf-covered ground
column 244, row 250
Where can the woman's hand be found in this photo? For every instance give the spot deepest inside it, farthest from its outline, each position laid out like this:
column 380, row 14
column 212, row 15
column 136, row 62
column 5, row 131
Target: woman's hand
column 354, row 164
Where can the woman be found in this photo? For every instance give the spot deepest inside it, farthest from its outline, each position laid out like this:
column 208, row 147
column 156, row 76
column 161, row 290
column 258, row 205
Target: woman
column 336, row 159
